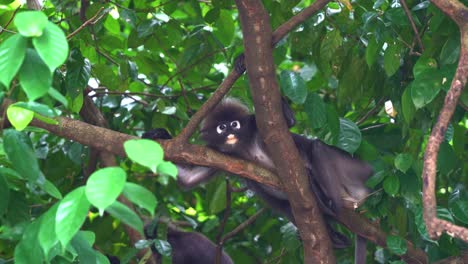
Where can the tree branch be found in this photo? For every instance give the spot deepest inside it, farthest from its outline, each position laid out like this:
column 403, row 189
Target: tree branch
column 435, row 227
column 257, row 34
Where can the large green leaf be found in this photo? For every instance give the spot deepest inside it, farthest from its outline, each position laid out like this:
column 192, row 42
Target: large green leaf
column 426, row 87
column 31, row 23
column 52, row 46
column 39, row 108
column 127, row 216
column 19, row 117
column 78, row 73
column 372, row 51
column 34, row 76
column 396, row 245
column 104, row 186
column 86, row 253
column 392, row 59
column 47, row 236
column 330, row 43
column 167, row 168
column 294, row 86
column 218, row 200
column 140, row 196
column 28, row 250
column 4, row 194
column 71, row 214
column 407, row 105
column 12, row 53
column 145, row 152
column 403, row 161
column 391, row 185
column 316, row 110
column 18, row 148
column 458, row 203
column 224, row 27
column 350, row 136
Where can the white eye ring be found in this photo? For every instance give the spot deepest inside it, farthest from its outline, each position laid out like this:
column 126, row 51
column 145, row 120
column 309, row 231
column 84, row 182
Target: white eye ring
column 235, row 124
column 221, row 128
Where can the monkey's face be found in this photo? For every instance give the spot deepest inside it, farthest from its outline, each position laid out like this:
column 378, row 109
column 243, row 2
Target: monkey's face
column 228, row 135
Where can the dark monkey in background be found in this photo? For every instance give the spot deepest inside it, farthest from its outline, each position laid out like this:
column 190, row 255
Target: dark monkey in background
column 336, row 178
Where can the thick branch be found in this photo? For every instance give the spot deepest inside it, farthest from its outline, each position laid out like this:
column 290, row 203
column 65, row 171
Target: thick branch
column 273, row 129
column 454, row 9
column 435, row 226
column 112, row 141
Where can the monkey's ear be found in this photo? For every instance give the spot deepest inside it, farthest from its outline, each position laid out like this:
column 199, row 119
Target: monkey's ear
column 157, row 133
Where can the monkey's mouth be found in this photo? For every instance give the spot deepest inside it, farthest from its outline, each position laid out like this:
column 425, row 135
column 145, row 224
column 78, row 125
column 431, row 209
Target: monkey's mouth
column 231, row 139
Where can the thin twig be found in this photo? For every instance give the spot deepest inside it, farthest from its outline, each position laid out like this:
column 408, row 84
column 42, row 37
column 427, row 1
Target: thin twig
column 413, row 25
column 92, row 20
column 242, row 226
column 9, row 21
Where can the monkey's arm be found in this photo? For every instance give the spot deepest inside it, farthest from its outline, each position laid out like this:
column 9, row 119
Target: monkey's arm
column 189, row 176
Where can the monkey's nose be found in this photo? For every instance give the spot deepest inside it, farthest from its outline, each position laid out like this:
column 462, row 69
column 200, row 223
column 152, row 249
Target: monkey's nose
column 231, row 139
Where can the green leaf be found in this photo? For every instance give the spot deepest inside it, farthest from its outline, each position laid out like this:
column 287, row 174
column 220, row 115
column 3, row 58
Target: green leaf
column 18, row 148
column 34, row 76
column 145, row 152
column 52, row 46
column 403, row 162
column 12, row 53
column 316, row 110
column 31, row 23
column 39, row 108
column 50, row 188
column 127, row 216
column 71, row 214
column 392, row 58
column 163, row 247
column 19, row 117
column 446, row 159
column 396, row 245
column 450, row 52
column 293, row 86
column 423, row 64
column 289, row 236
column 350, row 136
column 391, row 185
column 218, row 200
column 426, row 87
column 167, row 168
column 140, row 196
column 104, row 186
column 331, row 42
column 28, row 250
column 85, row 251
column 372, row 51
column 58, row 96
column 224, row 28
column 4, row 194
column 407, row 105
column 47, row 235
column 458, row 203
column 78, row 73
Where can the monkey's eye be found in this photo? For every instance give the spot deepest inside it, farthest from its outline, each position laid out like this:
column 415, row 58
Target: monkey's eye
column 235, row 124
column 221, row 128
